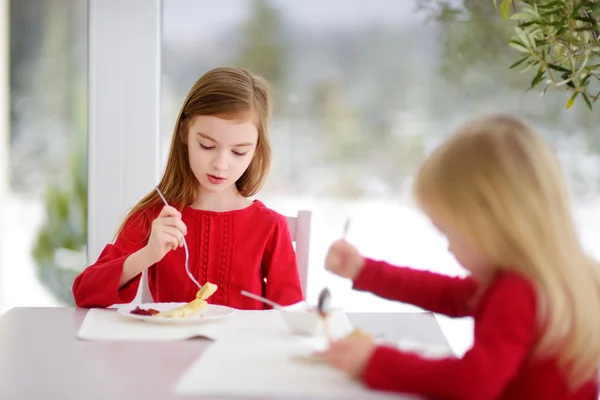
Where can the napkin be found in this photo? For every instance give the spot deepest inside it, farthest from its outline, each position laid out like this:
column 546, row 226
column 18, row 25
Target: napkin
column 268, row 367
column 105, row 324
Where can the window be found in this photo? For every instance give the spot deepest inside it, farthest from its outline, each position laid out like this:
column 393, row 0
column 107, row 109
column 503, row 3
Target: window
column 365, row 90
column 44, row 234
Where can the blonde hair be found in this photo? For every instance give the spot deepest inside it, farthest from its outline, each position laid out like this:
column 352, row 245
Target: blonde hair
column 502, row 187
column 225, row 92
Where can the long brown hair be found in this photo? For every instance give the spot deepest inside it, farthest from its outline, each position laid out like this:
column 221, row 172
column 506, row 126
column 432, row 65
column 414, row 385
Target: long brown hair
column 500, row 184
column 224, row 92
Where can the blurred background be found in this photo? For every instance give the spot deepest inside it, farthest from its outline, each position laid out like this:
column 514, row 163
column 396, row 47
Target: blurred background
column 365, row 90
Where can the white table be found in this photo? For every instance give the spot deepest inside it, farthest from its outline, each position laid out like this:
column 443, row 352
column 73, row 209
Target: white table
column 41, row 358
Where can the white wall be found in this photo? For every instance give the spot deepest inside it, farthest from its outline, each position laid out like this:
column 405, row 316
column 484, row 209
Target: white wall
column 124, row 111
column 4, row 128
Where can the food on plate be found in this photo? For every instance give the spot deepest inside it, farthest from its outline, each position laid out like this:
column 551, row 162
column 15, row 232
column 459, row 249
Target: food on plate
column 141, row 311
column 191, row 308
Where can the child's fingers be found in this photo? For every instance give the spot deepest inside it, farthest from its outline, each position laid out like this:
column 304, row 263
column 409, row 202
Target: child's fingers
column 174, row 222
column 172, row 236
column 335, row 358
column 169, row 241
column 168, row 211
column 330, row 260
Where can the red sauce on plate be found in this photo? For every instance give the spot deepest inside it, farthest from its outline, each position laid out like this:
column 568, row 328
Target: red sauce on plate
column 139, row 311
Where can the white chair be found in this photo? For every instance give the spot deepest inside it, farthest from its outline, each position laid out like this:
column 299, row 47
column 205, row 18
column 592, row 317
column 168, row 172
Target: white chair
column 299, row 227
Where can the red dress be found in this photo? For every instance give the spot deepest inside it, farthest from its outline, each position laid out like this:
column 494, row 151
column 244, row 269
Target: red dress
column 236, row 250
column 498, row 366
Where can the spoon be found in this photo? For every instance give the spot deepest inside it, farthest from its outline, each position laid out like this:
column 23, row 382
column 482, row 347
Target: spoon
column 324, row 302
column 323, row 308
column 262, row 299
column 187, row 253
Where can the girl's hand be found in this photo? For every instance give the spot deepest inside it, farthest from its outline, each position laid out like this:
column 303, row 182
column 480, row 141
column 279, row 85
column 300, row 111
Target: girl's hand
column 350, row 355
column 344, row 260
column 166, row 234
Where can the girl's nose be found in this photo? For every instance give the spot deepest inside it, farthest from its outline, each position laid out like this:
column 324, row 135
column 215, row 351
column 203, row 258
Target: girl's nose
column 219, row 162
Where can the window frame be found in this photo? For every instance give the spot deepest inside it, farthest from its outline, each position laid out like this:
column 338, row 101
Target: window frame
column 124, row 112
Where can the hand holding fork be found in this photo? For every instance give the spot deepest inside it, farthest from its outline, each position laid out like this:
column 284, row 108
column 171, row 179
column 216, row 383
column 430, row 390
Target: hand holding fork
column 168, row 233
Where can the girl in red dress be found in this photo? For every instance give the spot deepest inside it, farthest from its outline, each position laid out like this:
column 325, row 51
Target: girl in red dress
column 496, row 191
column 219, row 157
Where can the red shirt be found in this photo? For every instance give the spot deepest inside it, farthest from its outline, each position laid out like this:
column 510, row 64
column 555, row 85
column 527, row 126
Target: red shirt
column 498, row 366
column 236, row 250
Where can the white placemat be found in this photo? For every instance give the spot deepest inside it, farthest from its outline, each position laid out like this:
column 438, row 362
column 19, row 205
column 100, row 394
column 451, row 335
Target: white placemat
column 424, row 350
column 270, row 363
column 268, row 367
column 107, row 324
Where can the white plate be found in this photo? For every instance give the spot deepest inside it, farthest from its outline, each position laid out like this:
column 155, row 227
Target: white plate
column 211, row 312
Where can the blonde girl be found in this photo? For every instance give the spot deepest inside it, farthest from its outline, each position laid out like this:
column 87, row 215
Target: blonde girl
column 496, row 191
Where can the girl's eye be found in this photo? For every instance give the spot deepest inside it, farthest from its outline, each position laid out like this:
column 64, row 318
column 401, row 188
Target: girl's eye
column 239, row 154
column 206, row 147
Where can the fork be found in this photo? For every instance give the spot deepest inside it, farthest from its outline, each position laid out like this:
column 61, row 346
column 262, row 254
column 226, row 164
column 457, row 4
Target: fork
column 187, row 253
column 346, row 228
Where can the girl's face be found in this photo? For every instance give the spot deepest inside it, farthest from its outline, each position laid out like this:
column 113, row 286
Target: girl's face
column 463, row 250
column 220, row 150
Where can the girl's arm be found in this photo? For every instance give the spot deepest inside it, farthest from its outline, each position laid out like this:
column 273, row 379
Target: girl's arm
column 280, row 267
column 438, row 293
column 99, row 285
column 504, row 334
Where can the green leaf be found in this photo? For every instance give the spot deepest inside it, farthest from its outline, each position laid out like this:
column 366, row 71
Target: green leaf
column 585, row 81
column 561, row 30
column 554, row 11
column 586, row 36
column 587, row 101
column 532, row 12
column 522, row 16
column 558, row 68
column 582, row 66
column 529, row 66
column 583, row 3
column 562, row 83
column 519, row 62
column 589, row 20
column 527, row 41
column 597, row 97
column 545, row 90
column 505, row 9
column 537, row 78
column 571, row 100
column 543, row 23
column 518, row 46
column 533, row 31
column 551, row 4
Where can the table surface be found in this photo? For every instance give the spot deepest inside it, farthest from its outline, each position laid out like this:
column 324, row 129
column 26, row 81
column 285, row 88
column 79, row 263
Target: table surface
column 41, row 358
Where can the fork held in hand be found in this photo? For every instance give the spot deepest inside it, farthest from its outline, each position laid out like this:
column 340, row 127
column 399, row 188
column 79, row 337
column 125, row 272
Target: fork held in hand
column 187, row 253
